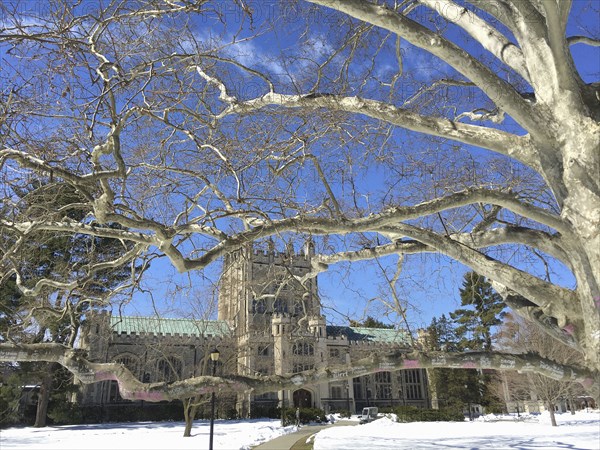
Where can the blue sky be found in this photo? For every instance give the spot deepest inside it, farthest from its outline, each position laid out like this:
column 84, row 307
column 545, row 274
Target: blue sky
column 429, row 283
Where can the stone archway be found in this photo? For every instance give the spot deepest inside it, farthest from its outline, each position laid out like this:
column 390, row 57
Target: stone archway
column 302, row 398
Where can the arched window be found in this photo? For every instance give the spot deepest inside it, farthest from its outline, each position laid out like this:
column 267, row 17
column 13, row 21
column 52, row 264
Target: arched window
column 280, row 306
column 169, row 369
column 303, row 349
column 130, row 361
column 259, row 306
column 298, row 308
column 114, row 396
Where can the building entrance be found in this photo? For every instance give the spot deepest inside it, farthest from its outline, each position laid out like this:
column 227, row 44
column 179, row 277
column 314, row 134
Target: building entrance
column 302, row 399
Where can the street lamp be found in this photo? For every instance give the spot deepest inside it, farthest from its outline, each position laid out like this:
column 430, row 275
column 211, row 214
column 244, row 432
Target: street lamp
column 348, row 396
column 348, row 361
column 214, row 356
column 468, row 401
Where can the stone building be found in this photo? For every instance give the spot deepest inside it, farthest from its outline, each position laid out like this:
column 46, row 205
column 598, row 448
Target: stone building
column 154, row 349
column 268, row 323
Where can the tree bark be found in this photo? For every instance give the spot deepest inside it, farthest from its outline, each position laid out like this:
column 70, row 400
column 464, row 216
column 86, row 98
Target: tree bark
column 389, row 360
column 555, row 132
column 190, row 408
column 41, row 414
column 572, row 403
column 552, row 415
column 188, row 417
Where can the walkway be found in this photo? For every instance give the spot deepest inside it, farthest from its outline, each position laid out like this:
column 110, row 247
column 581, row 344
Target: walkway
column 297, row 440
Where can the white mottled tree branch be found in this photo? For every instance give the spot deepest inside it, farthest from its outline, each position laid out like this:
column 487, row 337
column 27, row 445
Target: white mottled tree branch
column 488, row 36
column 390, row 360
column 518, row 147
column 498, row 90
column 572, row 40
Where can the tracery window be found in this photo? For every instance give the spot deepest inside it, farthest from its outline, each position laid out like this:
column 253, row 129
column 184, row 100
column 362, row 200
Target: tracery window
column 336, row 392
column 383, row 384
column 131, row 362
column 280, row 306
column 301, row 367
column 298, row 308
column 259, row 306
column 303, row 349
column 169, row 369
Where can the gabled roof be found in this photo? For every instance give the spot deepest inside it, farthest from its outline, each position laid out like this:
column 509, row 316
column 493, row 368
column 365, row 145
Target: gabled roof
column 162, row 326
column 386, row 335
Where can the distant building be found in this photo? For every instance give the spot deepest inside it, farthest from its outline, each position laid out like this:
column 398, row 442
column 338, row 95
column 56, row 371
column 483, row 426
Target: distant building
column 154, row 349
column 268, row 323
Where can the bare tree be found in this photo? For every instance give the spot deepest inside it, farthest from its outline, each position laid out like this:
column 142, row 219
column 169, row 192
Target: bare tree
column 519, row 336
column 195, row 148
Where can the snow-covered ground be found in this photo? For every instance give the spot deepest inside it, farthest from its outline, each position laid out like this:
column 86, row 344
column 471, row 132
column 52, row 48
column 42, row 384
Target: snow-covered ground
column 230, row 434
column 578, row 432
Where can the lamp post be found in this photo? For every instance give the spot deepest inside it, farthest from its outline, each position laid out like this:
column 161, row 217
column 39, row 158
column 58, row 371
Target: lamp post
column 468, row 401
column 283, row 408
column 348, row 396
column 214, row 356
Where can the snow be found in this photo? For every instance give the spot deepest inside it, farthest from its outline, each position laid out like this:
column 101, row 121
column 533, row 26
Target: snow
column 228, row 434
column 580, row 431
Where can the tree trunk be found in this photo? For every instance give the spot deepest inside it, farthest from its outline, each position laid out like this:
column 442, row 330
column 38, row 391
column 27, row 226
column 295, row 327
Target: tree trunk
column 572, row 404
column 187, row 432
column 581, row 150
column 43, row 398
column 190, row 407
column 552, row 416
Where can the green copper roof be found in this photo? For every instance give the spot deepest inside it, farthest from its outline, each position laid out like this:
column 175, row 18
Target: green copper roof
column 162, row 326
column 388, row 335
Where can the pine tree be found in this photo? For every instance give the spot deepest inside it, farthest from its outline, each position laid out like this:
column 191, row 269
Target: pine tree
column 10, row 299
column 453, row 388
column 370, row 322
column 470, row 329
column 485, row 311
column 55, row 315
column 474, row 330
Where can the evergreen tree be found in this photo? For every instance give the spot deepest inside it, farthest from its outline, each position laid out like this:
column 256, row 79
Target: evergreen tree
column 55, row 315
column 370, row 322
column 470, row 329
column 10, row 300
column 484, row 311
column 452, row 388
column 442, row 335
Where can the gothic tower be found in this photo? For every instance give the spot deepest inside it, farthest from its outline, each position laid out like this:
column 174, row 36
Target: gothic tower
column 275, row 316
column 258, row 284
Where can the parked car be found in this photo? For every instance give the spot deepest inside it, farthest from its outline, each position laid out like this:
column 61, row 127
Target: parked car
column 368, row 414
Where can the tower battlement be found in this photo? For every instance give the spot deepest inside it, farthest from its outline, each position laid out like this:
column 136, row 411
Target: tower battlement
column 282, row 258
column 269, row 254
